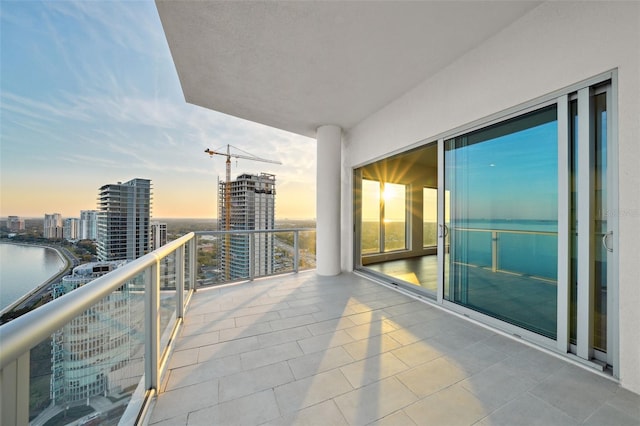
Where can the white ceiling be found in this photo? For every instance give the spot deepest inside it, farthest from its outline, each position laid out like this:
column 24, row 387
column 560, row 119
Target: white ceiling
column 297, row 65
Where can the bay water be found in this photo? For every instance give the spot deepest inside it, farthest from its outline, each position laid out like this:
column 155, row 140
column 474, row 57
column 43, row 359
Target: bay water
column 23, row 268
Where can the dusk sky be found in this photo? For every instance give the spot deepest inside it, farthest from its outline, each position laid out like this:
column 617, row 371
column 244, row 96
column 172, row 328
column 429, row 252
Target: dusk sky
column 90, row 96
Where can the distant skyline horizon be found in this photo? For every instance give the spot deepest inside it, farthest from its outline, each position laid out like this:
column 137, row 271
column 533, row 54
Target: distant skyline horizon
column 41, row 217
column 153, row 217
column 90, row 96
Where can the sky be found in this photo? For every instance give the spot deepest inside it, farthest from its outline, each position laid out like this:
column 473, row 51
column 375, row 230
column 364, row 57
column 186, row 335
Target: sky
column 89, row 95
column 514, row 176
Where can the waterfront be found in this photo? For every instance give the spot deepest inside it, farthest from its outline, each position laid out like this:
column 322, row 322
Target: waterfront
column 23, row 268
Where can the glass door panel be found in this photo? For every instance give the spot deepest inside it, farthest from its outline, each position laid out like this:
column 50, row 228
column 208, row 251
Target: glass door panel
column 600, row 236
column 395, row 204
column 573, row 220
column 503, row 207
column 600, row 223
column 370, row 232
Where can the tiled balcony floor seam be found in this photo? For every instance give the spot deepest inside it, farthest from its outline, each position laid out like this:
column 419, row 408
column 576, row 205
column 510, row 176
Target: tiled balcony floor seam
column 325, row 368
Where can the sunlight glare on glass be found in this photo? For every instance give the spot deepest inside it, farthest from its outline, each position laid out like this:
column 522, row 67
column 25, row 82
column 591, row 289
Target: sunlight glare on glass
column 394, row 196
column 391, row 191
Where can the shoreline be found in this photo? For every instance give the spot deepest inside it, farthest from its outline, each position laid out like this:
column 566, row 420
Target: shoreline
column 44, row 286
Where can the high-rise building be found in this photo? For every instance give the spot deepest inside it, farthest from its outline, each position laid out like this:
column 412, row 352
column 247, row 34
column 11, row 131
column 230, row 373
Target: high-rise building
column 251, row 207
column 71, row 228
column 88, row 224
column 89, row 353
column 158, row 235
column 123, row 220
column 52, row 225
column 15, row 223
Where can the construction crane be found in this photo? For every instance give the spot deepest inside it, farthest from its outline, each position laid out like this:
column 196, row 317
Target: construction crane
column 227, row 194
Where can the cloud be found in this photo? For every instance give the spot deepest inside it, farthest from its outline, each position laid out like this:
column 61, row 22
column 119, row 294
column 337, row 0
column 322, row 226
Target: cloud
column 129, row 25
column 41, row 110
column 102, row 97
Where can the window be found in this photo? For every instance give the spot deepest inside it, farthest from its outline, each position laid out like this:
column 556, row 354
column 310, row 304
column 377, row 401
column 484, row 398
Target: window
column 394, row 216
column 429, row 217
column 384, row 217
column 509, row 220
column 370, row 235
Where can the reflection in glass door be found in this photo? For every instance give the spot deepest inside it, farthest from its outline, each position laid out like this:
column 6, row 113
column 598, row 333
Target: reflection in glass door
column 396, row 224
column 503, row 190
column 524, row 232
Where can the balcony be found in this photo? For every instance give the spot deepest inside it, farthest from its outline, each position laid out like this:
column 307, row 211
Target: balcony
column 303, row 349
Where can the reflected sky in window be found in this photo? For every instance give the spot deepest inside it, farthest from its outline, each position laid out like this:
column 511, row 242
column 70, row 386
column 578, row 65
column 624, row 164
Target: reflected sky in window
column 511, row 176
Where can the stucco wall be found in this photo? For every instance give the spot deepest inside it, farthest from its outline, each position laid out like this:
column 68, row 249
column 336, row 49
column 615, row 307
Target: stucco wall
column 556, row 45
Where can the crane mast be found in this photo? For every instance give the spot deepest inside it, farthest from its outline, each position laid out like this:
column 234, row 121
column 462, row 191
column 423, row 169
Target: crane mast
column 227, row 197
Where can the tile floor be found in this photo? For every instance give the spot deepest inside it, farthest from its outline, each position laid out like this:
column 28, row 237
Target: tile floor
column 308, row 350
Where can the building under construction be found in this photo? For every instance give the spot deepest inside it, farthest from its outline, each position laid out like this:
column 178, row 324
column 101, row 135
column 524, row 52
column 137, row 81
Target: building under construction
column 251, row 201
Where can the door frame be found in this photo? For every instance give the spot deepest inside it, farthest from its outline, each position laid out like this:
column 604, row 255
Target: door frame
column 561, row 98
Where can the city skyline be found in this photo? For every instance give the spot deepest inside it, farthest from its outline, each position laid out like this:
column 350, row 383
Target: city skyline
column 90, row 95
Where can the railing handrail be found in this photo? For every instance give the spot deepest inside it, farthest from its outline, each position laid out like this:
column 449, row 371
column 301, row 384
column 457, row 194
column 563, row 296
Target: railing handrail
column 255, row 231
column 506, row 231
column 26, row 331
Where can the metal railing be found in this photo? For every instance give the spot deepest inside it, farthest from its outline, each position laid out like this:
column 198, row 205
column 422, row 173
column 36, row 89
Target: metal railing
column 22, row 334
column 155, row 280
column 254, row 253
column 505, row 250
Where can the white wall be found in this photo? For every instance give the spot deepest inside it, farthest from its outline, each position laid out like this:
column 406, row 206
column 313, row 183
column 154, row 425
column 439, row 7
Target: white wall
column 556, row 45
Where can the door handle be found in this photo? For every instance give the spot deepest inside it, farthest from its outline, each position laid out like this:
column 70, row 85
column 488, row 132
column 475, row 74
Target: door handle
column 444, row 231
column 604, row 241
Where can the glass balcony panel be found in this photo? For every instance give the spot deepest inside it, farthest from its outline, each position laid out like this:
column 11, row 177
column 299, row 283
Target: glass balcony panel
column 235, row 261
column 528, row 254
column 88, row 370
column 283, row 253
column 307, row 247
column 223, row 258
column 187, row 273
column 209, row 252
column 40, row 373
column 168, row 298
column 473, row 246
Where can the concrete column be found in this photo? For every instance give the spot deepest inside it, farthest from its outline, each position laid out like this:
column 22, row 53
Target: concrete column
column 329, row 152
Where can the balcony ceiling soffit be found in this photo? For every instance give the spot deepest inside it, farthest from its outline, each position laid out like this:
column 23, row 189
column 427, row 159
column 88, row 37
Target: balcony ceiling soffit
column 298, row 65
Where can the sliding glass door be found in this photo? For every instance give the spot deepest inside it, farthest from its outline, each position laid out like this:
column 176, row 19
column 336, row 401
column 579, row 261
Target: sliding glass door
column 509, row 222
column 503, row 190
column 396, row 217
column 592, row 171
column 601, row 231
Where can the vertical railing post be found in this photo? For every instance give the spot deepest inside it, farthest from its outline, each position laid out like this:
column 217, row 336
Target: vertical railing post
column 494, row 251
column 296, row 254
column 180, row 282
column 252, row 253
column 14, row 384
column 152, row 326
column 193, row 262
